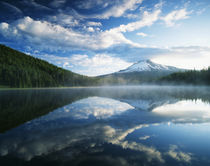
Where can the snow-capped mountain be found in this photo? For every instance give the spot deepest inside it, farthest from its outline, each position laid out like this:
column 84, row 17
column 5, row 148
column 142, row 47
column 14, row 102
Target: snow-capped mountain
column 148, row 65
column 144, row 71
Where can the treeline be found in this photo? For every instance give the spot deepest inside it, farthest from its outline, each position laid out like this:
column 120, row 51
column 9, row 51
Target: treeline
column 20, row 70
column 133, row 78
column 192, row 77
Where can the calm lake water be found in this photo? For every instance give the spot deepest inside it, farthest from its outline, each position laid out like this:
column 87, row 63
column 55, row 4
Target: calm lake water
column 140, row 125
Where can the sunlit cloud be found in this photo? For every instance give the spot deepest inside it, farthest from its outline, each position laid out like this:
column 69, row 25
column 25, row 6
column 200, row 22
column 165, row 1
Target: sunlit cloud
column 185, row 57
column 142, row 34
column 119, row 9
column 147, row 20
column 175, row 15
column 144, row 137
column 64, row 20
column 98, row 64
column 91, row 23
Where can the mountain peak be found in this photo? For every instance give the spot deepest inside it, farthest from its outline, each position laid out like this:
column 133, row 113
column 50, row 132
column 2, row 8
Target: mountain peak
column 148, row 65
column 144, row 61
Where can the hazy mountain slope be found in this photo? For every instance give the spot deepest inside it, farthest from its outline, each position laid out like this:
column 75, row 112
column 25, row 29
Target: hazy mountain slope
column 20, row 70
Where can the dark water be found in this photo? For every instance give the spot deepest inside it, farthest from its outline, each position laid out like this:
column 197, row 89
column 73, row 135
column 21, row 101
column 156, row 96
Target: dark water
column 145, row 125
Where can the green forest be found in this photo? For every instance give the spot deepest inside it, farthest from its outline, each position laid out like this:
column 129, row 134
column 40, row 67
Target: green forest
column 191, row 77
column 20, row 70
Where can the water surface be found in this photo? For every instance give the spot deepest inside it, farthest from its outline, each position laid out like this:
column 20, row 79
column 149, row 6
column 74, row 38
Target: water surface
column 140, row 125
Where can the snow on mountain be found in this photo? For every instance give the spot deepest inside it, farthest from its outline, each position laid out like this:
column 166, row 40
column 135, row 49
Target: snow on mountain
column 148, row 104
column 148, row 65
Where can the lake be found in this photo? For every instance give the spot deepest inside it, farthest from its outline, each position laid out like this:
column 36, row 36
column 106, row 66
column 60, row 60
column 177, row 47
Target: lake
column 127, row 125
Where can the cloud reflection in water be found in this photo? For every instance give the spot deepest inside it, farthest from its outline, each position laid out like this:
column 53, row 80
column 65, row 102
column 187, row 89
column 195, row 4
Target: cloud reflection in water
column 185, row 111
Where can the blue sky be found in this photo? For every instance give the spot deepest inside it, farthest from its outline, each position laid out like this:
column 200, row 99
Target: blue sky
column 95, row 37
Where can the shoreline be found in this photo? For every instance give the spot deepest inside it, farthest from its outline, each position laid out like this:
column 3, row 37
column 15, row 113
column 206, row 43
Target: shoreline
column 107, row 86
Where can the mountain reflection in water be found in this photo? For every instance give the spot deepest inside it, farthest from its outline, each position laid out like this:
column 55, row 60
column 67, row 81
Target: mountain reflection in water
column 145, row 125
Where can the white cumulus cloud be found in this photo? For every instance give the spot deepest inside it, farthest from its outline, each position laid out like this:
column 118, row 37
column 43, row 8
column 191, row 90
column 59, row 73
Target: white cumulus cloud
column 119, row 9
column 148, row 19
column 115, row 8
column 142, row 34
column 51, row 35
column 90, row 29
column 189, row 57
column 92, row 23
column 175, row 15
column 98, row 64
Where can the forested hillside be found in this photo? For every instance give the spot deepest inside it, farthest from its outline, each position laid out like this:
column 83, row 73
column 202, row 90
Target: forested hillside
column 193, row 77
column 20, row 70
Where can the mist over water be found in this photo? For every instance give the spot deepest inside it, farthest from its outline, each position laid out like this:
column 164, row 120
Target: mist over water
column 116, row 125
